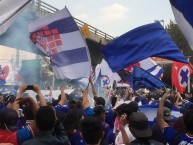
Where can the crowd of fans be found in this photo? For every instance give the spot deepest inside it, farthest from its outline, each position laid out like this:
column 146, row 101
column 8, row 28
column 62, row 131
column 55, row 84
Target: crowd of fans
column 44, row 121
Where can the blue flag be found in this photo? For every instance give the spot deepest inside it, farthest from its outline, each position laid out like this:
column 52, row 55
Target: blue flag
column 143, row 79
column 140, row 43
column 183, row 12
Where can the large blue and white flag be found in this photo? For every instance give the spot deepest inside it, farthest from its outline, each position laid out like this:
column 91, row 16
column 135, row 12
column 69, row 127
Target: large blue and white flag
column 140, row 43
column 143, row 79
column 58, row 36
column 183, row 13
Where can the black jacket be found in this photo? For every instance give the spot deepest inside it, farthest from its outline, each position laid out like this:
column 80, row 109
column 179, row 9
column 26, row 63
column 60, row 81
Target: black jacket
column 50, row 138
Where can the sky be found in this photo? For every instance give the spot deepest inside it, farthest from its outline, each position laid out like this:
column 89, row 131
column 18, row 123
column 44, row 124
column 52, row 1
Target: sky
column 116, row 17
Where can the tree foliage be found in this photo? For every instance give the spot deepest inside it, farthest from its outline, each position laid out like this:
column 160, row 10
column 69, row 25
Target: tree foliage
column 174, row 31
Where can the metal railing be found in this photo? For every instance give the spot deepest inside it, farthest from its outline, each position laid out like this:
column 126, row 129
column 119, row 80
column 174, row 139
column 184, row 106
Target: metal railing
column 50, row 9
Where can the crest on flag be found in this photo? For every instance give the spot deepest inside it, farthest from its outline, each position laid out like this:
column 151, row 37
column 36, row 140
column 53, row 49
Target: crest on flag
column 105, row 81
column 48, row 40
column 183, row 75
column 180, row 74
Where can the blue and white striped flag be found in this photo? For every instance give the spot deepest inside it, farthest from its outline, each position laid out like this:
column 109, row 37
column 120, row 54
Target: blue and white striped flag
column 183, row 13
column 149, row 65
column 58, row 36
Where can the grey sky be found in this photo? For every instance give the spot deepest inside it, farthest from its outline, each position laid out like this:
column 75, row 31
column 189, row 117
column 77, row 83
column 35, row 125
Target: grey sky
column 116, row 17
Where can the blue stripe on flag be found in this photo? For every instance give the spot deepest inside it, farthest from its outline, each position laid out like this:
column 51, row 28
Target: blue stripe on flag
column 69, row 57
column 65, row 25
column 185, row 7
column 158, row 73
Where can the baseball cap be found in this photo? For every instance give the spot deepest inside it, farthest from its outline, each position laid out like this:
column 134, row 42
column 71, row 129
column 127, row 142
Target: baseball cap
column 188, row 105
column 167, row 114
column 138, row 121
column 9, row 117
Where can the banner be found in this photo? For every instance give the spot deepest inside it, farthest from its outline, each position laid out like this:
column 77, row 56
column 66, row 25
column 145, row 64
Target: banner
column 58, row 36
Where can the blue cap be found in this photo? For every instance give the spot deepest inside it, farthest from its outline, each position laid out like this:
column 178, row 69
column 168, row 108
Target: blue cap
column 188, row 105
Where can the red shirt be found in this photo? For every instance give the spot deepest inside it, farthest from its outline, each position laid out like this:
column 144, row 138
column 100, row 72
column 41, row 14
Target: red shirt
column 6, row 137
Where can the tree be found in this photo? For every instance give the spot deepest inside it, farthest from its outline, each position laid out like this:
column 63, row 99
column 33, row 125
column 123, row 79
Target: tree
column 174, row 31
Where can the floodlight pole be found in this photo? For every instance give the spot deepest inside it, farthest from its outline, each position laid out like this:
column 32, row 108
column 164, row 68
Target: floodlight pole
column 188, row 58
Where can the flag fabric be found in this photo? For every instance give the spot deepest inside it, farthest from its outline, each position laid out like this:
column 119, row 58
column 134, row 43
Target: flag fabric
column 180, row 74
column 9, row 12
column 59, row 37
column 183, row 13
column 13, row 24
column 140, row 43
column 105, row 74
column 143, row 79
column 149, row 65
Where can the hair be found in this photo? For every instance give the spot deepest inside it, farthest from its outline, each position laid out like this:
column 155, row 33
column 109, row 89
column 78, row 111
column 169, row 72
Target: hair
column 92, row 130
column 179, row 126
column 99, row 100
column 8, row 116
column 28, row 113
column 72, row 104
column 188, row 120
column 45, row 118
column 113, row 100
column 123, row 108
column 72, row 120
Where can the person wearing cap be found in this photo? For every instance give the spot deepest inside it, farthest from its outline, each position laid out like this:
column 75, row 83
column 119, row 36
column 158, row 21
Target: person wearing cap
column 123, row 113
column 138, row 125
column 172, row 136
column 157, row 133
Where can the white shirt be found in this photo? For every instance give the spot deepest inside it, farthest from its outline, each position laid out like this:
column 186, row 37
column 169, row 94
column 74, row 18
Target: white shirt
column 119, row 139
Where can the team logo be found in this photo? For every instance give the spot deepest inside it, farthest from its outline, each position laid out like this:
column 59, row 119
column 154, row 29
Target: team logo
column 183, row 75
column 105, row 81
column 48, row 40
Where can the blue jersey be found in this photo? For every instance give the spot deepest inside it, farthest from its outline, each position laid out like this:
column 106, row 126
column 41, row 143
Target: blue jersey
column 183, row 139
column 59, row 108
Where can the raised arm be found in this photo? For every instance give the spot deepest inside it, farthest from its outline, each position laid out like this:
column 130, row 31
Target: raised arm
column 177, row 101
column 94, row 92
column 63, row 96
column 34, row 107
column 85, row 100
column 39, row 93
column 22, row 89
column 162, row 124
column 122, row 129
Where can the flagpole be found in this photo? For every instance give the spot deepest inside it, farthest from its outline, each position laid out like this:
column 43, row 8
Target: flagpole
column 188, row 58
